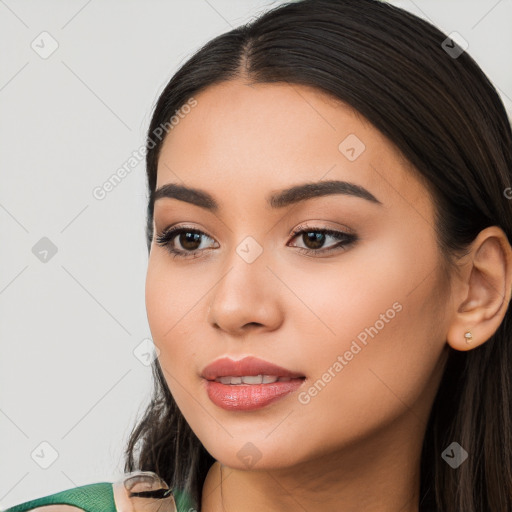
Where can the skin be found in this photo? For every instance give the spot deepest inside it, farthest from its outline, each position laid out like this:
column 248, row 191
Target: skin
column 356, row 445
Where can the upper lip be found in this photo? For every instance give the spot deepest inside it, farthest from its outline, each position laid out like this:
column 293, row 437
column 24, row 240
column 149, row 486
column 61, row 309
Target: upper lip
column 226, row 367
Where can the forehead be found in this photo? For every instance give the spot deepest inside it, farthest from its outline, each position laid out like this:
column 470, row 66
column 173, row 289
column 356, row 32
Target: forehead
column 254, row 138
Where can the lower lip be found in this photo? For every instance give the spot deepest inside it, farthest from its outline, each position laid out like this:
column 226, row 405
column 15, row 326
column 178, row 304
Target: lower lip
column 247, row 397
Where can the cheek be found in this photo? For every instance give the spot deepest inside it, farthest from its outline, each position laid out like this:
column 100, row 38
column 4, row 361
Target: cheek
column 379, row 310
column 170, row 311
column 171, row 306
column 336, row 300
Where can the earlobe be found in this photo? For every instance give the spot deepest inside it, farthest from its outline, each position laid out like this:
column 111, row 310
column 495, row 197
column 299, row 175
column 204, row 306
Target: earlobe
column 484, row 292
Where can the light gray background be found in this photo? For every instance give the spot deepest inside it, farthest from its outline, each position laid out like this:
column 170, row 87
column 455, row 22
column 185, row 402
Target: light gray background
column 68, row 327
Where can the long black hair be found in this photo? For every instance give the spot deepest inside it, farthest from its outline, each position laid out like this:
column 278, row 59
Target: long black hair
column 438, row 108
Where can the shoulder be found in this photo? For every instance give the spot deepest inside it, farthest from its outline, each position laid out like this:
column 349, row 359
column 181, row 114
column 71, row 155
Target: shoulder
column 103, row 497
column 54, row 508
column 97, row 497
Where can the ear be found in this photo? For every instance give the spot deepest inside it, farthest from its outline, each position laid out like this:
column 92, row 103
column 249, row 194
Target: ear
column 481, row 291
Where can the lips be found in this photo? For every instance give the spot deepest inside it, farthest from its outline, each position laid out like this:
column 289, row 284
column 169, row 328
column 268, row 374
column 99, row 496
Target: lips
column 229, row 383
column 226, row 367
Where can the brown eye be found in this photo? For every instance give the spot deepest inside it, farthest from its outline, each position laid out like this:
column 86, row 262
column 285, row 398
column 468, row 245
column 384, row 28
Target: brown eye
column 189, row 239
column 314, row 240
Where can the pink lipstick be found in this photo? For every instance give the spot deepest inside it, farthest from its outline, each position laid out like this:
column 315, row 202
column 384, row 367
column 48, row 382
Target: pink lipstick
column 249, row 383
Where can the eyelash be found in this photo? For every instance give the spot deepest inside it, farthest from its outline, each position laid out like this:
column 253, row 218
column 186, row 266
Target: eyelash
column 164, row 240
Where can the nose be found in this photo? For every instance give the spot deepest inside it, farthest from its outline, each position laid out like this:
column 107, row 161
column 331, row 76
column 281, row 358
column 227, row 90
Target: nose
column 246, row 297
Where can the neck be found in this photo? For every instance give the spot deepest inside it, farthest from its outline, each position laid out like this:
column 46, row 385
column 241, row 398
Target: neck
column 380, row 473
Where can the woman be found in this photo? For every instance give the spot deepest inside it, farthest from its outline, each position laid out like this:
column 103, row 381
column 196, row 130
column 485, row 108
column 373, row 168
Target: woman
column 330, row 272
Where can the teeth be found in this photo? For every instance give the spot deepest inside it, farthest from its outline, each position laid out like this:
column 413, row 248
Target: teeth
column 251, row 379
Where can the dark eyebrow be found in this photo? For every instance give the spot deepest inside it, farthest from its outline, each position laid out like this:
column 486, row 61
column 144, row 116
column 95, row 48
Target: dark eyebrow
column 322, row 188
column 279, row 199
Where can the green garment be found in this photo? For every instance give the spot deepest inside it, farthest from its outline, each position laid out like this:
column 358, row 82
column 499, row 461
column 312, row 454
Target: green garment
column 97, row 497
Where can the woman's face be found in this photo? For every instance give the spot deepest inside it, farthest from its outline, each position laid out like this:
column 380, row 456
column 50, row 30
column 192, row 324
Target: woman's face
column 359, row 316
